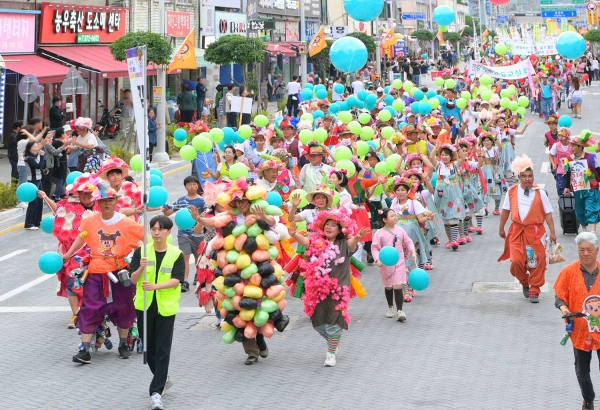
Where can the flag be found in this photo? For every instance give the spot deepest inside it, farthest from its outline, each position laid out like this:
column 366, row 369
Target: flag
column 440, row 37
column 185, row 57
column 388, row 39
column 485, row 34
column 317, row 44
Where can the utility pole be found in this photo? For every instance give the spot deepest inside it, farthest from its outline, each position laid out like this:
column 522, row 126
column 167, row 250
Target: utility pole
column 303, row 59
column 160, row 155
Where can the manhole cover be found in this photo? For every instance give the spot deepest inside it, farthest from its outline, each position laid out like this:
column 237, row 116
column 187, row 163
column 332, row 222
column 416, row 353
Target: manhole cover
column 209, row 322
column 481, row 287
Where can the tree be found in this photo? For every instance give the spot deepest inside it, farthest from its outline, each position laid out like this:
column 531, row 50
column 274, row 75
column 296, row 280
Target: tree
column 451, row 37
column 593, row 36
column 423, row 35
column 235, row 49
column 366, row 40
column 159, row 49
column 321, row 60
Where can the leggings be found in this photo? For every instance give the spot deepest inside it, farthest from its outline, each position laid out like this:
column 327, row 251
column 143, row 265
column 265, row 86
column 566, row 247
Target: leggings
column 331, row 333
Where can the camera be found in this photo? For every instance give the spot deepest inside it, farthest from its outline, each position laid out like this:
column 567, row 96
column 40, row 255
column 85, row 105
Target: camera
column 124, row 278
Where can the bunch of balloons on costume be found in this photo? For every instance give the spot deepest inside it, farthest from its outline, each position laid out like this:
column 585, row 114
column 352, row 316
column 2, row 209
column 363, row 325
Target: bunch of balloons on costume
column 249, row 281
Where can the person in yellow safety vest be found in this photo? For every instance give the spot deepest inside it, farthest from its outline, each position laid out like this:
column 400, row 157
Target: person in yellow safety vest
column 165, row 270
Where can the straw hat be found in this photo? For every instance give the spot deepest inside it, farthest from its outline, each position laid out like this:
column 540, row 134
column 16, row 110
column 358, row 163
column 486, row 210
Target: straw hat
column 324, row 190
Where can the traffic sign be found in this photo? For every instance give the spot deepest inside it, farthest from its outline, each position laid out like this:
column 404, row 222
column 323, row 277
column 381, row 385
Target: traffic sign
column 413, row 16
column 501, row 20
column 591, row 6
column 561, row 2
column 592, row 17
column 558, row 11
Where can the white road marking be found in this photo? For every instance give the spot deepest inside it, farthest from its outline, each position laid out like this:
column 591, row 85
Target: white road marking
column 24, row 287
column 545, row 167
column 10, row 255
column 55, row 309
column 547, row 151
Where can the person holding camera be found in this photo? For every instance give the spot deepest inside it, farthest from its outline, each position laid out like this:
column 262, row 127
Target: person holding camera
column 165, row 270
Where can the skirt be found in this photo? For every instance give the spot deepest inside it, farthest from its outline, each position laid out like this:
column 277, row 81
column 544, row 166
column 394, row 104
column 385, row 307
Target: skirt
column 436, row 225
column 506, row 156
column 361, row 216
column 205, row 272
column 473, row 201
column 496, row 182
column 449, row 200
column 422, row 246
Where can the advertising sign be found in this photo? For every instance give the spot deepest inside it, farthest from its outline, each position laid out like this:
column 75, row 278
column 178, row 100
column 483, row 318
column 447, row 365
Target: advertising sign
column 178, row 23
column 17, row 33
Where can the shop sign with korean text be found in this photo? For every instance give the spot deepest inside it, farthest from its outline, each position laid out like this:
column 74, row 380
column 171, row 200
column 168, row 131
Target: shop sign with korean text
column 64, row 23
column 229, row 23
column 17, row 33
column 178, row 23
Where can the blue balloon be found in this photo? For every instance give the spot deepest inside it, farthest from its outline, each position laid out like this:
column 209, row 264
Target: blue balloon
column 321, row 94
column 443, row 15
column 419, row 95
column 157, row 172
column 155, row 180
column 274, row 198
column 389, row 99
column 333, row 109
column 360, row 104
column 318, row 114
column 441, row 99
column 402, row 125
column 73, row 176
column 414, row 107
column 338, row 88
column 307, row 95
column 157, row 197
column 389, row 256
column 309, row 85
column 344, row 106
column 363, row 10
column 222, row 145
column 184, row 219
column 47, row 224
column 424, row 108
column 362, row 94
column 348, row 54
column 320, row 87
column 391, row 110
column 372, row 145
column 50, row 263
column 371, row 99
column 433, row 179
column 352, row 101
column 228, row 135
column 565, row 121
column 180, row 134
column 27, row 192
column 431, row 94
column 418, row 279
column 570, row 45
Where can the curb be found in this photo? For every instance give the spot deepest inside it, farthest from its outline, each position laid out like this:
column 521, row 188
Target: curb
column 11, row 213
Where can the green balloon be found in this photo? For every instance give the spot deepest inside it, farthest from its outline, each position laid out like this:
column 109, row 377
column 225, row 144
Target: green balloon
column 336, row 198
column 521, row 110
column 398, row 105
column 397, row 84
column 238, row 170
column 342, row 153
column 261, row 120
column 408, row 86
column 177, row 143
column 306, row 136
column 434, row 102
column 486, row 79
column 202, row 144
column 450, row 83
column 461, row 103
column 504, row 102
column 355, row 127
column 216, row 135
column 439, row 81
column 443, row 29
column 302, row 193
column 500, row 49
column 362, row 148
column 387, row 132
column 391, row 162
column 466, row 95
column 245, row 131
column 320, row 135
column 384, row 115
column 523, row 101
column 504, row 93
column 381, row 168
column 345, row 117
column 136, row 162
column 307, row 117
column 367, row 133
column 486, row 95
column 187, row 153
column 346, row 164
column 513, row 106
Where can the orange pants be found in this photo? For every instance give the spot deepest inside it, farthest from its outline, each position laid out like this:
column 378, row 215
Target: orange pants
column 519, row 267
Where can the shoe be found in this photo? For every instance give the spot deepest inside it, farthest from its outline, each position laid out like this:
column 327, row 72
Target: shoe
column 72, row 322
column 390, row 312
column 534, row 297
column 329, row 360
column 264, row 353
column 479, row 231
column 435, row 242
column 32, row 228
column 461, row 241
column 496, row 212
column 124, row 352
column 251, row 360
column 23, row 205
column 467, row 238
column 472, row 229
column 526, row 291
column 486, row 212
column 195, row 282
column 406, row 295
column 156, row 402
column 587, row 405
column 401, row 317
column 449, row 245
column 428, row 266
column 168, row 385
column 83, row 356
column 455, row 245
column 370, row 258
column 185, row 286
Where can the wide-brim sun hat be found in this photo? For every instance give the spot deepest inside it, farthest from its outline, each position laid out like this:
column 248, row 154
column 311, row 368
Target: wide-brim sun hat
column 324, row 190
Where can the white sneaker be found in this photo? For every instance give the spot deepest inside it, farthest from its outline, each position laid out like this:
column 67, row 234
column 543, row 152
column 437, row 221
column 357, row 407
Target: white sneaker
column 330, row 360
column 390, row 312
column 156, row 402
column 23, row 205
column 32, row 228
column 168, row 385
column 401, row 316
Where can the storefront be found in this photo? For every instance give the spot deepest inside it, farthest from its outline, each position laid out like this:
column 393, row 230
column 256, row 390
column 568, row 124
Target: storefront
column 227, row 24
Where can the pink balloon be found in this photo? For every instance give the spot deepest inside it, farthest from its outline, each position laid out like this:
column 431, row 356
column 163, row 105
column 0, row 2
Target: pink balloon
column 499, row 2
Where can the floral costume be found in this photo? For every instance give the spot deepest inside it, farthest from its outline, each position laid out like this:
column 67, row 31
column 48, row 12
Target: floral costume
column 470, row 181
column 496, row 183
column 448, row 192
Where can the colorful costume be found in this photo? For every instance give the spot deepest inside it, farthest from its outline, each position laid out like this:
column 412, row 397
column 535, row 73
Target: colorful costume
column 584, row 176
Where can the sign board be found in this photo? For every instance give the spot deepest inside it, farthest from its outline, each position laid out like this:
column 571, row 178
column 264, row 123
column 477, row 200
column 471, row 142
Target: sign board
column 413, row 16
column 157, row 93
column 229, row 23
column 593, row 17
column 229, row 4
column 400, row 49
column 501, row 19
column 17, row 33
column 591, row 6
column 562, row 2
column 558, row 11
column 242, row 105
column 88, row 38
column 178, row 23
column 62, row 23
column 261, row 25
column 207, row 21
column 337, row 31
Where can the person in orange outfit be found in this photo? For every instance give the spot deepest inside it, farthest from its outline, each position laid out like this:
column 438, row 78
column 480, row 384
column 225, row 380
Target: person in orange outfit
column 577, row 290
column 524, row 245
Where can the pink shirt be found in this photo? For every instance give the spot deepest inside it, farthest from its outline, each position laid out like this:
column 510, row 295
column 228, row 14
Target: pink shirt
column 393, row 275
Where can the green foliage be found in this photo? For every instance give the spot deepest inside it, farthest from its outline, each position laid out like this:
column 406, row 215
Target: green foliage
column 252, row 83
column 235, row 49
column 366, row 40
column 467, row 32
column 159, row 49
column 8, row 195
column 281, row 106
column 593, row 36
column 321, row 61
column 121, row 152
column 423, row 35
column 263, row 112
column 451, row 37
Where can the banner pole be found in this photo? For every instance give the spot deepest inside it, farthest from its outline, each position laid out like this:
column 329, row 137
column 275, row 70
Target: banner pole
column 146, row 170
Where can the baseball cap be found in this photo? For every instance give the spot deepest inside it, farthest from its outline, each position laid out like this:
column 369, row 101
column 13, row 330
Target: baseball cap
column 238, row 147
column 380, row 89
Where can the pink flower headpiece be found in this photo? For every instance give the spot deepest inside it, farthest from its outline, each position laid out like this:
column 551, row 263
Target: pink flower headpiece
column 411, row 157
column 334, row 170
column 448, row 146
column 340, row 216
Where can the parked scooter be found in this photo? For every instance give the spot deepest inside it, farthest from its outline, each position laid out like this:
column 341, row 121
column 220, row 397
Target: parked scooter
column 109, row 123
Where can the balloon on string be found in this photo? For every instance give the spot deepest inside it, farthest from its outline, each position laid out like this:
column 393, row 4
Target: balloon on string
column 238, row 170
column 321, row 94
column 370, row 143
column 431, row 93
column 425, row 108
column 450, row 83
column 384, row 115
column 47, row 224
column 565, row 121
column 504, row 93
column 500, row 49
column 27, row 192
column 338, row 88
column 513, row 106
column 523, row 101
column 391, row 110
column 349, row 54
column 188, row 153
column 136, row 163
column 391, row 162
column 419, row 95
column 352, row 101
column 408, row 85
column 307, row 117
column 414, row 107
column 319, row 87
column 570, row 45
column 333, row 109
column 387, row 89
column 320, row 135
column 486, row 79
column 73, row 175
column 155, row 180
column 228, row 135
column 347, row 165
column 433, row 179
column 443, row 15
column 486, row 95
column 50, row 263
column 444, row 29
column 157, row 197
column 180, row 134
column 274, row 198
column 309, row 86
column 367, row 133
column 466, row 95
column 318, row 114
column 388, row 132
column 504, row 102
column 434, row 102
column 461, row 103
column 521, row 110
column 424, row 56
column 302, row 194
column 202, row 144
column 345, row 117
column 306, row 136
column 398, row 105
column 362, row 94
column 364, row 118
column 179, row 144
column 439, row 81
column 389, row 256
column 371, row 99
column 245, row 131
column 184, row 219
column 217, row 134
column 157, row 172
column 418, row 279
column 381, row 168
column 397, row 83
column 342, row 153
column 389, row 99
column 362, row 148
column 261, row 120
column 355, row 127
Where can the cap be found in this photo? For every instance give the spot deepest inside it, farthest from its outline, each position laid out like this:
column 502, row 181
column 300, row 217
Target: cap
column 379, row 89
column 371, row 154
column 238, row 147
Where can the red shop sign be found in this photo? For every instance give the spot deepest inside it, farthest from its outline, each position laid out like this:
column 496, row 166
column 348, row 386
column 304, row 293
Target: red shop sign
column 178, row 23
column 74, row 23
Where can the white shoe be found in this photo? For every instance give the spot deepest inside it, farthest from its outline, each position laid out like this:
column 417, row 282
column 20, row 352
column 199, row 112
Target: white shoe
column 390, row 312
column 33, row 228
column 168, row 385
column 401, row 317
column 23, row 205
column 156, row 402
column 329, row 360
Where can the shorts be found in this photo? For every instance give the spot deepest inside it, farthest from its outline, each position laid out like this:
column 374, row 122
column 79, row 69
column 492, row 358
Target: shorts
column 576, row 100
column 189, row 244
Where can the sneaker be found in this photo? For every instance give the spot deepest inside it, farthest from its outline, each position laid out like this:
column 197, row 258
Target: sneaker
column 251, row 360
column 124, row 352
column 72, row 322
column 461, row 241
column 185, row 286
column 486, row 212
column 472, row 229
column 449, row 245
column 526, row 291
column 496, row 212
column 534, row 297
column 467, row 238
column 168, row 385
column 479, row 231
column 32, row 228
column 83, row 356
column 329, row 360
column 435, row 242
column 401, row 317
column 454, row 245
column 156, row 402
column 370, row 258
column 587, row 405
column 390, row 312
column 264, row 353
column 428, row 266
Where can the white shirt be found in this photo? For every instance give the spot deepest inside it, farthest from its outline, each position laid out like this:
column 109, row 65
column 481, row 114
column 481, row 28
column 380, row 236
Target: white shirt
column 594, row 64
column 308, row 215
column 526, row 201
column 88, row 139
column 293, row 87
column 335, row 96
column 357, row 86
column 413, row 207
column 229, row 98
column 116, row 218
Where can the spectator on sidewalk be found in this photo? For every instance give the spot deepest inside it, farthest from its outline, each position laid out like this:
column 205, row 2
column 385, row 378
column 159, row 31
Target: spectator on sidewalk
column 200, row 96
column 231, row 116
column 13, row 156
column 185, row 102
column 127, row 117
column 56, row 114
column 293, row 90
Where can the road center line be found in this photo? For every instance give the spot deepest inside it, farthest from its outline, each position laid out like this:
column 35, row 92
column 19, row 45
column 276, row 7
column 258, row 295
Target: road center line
column 24, row 287
column 15, row 253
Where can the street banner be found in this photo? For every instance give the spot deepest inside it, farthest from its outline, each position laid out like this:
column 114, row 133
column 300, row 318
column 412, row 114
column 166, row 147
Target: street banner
column 511, row 72
column 389, row 39
column 136, row 64
column 185, row 57
column 318, row 43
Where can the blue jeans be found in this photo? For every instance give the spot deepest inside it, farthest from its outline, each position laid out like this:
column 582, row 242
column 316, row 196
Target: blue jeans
column 416, row 78
column 59, row 187
column 33, row 216
column 22, row 169
column 547, row 107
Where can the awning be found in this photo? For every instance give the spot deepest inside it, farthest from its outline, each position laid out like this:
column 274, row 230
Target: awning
column 45, row 71
column 96, row 58
column 281, row 48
